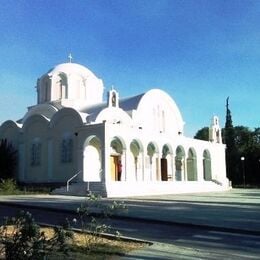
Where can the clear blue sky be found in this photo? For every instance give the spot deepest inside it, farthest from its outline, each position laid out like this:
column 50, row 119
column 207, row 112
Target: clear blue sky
column 199, row 51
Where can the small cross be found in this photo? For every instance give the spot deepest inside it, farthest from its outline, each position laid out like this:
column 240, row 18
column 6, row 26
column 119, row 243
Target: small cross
column 70, row 57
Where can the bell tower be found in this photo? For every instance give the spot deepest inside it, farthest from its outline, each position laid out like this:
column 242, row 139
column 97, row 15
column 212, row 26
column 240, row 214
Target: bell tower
column 113, row 98
column 215, row 131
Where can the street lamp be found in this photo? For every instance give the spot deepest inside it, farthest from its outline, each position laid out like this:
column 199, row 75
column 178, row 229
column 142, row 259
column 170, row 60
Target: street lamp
column 243, row 168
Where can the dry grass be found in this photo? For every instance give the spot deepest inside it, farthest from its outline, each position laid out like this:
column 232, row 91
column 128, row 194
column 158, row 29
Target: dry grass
column 85, row 246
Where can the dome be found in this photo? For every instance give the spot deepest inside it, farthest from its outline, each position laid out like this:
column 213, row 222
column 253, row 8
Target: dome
column 72, row 68
column 71, row 85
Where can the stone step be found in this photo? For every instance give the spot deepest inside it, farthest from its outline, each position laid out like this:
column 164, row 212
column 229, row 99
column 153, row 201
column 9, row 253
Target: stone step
column 82, row 189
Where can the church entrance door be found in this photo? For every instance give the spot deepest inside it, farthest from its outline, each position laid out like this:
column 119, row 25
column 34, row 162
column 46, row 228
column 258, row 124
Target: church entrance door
column 164, row 169
column 115, row 168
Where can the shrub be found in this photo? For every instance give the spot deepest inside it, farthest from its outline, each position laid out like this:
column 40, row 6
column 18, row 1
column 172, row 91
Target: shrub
column 8, row 159
column 21, row 239
column 94, row 223
column 8, row 186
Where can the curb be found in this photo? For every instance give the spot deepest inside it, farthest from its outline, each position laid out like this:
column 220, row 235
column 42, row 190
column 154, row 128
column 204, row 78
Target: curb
column 104, row 235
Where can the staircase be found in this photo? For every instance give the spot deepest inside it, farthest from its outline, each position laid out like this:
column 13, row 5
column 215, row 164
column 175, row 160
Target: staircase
column 82, row 189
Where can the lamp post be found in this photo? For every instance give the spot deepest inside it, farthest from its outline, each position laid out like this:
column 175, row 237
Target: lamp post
column 243, row 169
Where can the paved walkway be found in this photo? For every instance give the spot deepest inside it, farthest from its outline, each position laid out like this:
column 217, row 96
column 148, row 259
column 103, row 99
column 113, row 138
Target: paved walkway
column 237, row 210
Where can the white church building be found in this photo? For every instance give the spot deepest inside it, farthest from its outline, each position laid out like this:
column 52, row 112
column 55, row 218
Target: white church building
column 114, row 147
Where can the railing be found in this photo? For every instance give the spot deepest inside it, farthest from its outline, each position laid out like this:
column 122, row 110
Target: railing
column 88, row 190
column 217, row 182
column 70, row 179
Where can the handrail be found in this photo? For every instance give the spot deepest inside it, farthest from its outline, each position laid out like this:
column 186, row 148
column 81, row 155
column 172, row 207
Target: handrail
column 217, row 182
column 88, row 190
column 70, row 179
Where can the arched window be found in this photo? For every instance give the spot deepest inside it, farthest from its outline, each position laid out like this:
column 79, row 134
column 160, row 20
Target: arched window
column 36, row 153
column 66, row 150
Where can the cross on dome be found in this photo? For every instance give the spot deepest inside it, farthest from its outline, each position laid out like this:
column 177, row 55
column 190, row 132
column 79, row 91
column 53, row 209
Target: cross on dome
column 70, row 58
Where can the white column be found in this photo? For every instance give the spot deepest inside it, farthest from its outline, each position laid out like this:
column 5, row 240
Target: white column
column 173, row 167
column 124, row 169
column 184, row 169
column 143, row 165
column 158, row 170
column 103, row 164
column 200, row 168
column 106, row 162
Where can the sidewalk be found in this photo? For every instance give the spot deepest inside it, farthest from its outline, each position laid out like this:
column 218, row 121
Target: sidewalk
column 237, row 210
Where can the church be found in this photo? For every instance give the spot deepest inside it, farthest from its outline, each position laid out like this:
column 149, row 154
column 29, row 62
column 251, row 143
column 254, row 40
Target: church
column 114, row 147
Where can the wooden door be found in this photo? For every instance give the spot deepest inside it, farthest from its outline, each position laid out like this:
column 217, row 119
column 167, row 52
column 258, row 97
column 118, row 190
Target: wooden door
column 164, row 169
column 114, row 167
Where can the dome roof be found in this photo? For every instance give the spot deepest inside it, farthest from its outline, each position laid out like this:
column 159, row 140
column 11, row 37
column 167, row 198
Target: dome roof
column 70, row 84
column 71, row 68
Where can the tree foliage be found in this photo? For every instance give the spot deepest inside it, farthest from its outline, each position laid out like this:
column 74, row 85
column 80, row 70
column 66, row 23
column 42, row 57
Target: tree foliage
column 8, row 159
column 241, row 141
column 231, row 151
column 247, row 144
column 202, row 134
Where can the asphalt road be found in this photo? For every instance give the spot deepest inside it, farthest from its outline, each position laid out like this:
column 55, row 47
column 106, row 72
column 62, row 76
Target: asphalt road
column 174, row 241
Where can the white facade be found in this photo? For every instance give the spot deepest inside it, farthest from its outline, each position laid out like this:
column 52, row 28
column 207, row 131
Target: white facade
column 118, row 147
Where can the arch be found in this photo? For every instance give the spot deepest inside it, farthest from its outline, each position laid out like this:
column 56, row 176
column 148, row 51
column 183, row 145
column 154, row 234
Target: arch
column 179, row 163
column 136, row 146
column 152, row 148
column 113, row 115
column 118, row 145
column 117, row 151
column 207, row 174
column 35, row 119
column 46, row 110
column 10, row 130
column 67, row 112
column 152, row 153
column 192, row 165
column 92, row 158
column 35, row 161
column 136, row 149
column 166, row 162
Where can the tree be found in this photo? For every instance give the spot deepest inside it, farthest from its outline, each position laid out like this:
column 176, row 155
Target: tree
column 231, row 153
column 245, row 143
column 202, row 134
column 8, row 160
